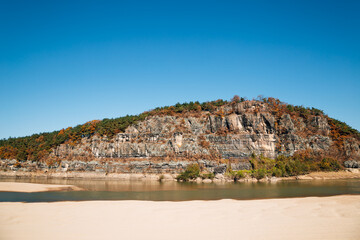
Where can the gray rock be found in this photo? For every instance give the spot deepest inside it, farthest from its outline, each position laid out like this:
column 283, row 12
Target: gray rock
column 220, row 169
column 352, row 164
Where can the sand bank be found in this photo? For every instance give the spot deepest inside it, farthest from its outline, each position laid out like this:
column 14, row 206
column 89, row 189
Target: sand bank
column 34, row 187
column 350, row 173
column 296, row 218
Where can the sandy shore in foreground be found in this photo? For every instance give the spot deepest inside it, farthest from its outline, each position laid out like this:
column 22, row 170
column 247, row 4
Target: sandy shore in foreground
column 34, row 187
column 295, row 218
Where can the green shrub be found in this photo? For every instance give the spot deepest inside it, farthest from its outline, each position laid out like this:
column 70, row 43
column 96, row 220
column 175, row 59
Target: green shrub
column 329, row 164
column 276, row 172
column 192, row 171
column 254, row 161
column 236, row 175
column 291, row 166
column 259, row 174
column 207, row 176
column 239, row 175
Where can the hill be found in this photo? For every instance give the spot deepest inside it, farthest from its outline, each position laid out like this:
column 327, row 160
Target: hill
column 238, row 129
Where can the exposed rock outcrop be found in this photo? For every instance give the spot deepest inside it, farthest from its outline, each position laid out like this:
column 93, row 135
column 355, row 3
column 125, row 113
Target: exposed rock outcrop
column 166, row 142
column 113, row 166
column 235, row 134
column 352, row 164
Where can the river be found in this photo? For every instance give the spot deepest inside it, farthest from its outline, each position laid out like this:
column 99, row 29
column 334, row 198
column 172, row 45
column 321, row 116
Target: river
column 174, row 191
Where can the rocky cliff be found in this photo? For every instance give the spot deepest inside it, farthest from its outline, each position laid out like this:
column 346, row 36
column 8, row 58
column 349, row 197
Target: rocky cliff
column 234, row 132
column 211, row 134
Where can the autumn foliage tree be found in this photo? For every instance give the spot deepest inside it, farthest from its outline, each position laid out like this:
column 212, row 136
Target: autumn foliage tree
column 235, row 99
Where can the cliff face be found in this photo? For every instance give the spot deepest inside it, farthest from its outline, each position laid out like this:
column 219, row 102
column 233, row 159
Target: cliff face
column 234, row 132
column 219, row 136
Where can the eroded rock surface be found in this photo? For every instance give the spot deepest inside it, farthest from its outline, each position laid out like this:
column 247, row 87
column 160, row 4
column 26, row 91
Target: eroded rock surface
column 235, row 134
column 218, row 140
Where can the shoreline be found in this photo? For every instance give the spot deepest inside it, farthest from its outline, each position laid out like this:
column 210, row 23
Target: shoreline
column 345, row 174
column 335, row 217
column 35, row 187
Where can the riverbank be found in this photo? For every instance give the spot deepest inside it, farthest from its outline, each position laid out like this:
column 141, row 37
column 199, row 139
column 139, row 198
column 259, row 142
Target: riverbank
column 346, row 174
column 296, row 218
column 34, row 187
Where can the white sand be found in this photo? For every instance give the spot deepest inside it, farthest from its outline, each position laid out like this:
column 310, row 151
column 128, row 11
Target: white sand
column 34, row 187
column 297, row 218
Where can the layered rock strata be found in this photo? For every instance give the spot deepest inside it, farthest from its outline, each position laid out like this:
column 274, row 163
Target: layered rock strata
column 224, row 138
column 232, row 136
column 107, row 167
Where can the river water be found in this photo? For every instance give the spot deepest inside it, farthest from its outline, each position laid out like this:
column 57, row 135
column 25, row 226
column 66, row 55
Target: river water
column 174, row 191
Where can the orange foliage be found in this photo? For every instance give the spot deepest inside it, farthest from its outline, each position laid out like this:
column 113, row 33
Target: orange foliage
column 336, row 136
column 43, row 154
column 61, row 132
column 8, row 152
column 203, row 142
column 40, row 139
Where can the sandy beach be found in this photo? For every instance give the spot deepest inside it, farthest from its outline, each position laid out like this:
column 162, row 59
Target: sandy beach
column 335, row 217
column 34, row 187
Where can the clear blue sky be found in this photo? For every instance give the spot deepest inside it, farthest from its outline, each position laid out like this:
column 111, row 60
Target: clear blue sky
column 63, row 63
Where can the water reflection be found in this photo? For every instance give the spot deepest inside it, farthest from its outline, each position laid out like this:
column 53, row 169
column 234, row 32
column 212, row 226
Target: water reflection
column 173, row 191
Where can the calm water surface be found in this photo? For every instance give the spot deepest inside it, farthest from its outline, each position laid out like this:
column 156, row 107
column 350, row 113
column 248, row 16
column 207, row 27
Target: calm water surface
column 173, row 191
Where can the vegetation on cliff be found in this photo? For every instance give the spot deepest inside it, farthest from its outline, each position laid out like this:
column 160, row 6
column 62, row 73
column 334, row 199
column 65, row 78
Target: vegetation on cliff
column 299, row 164
column 39, row 146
